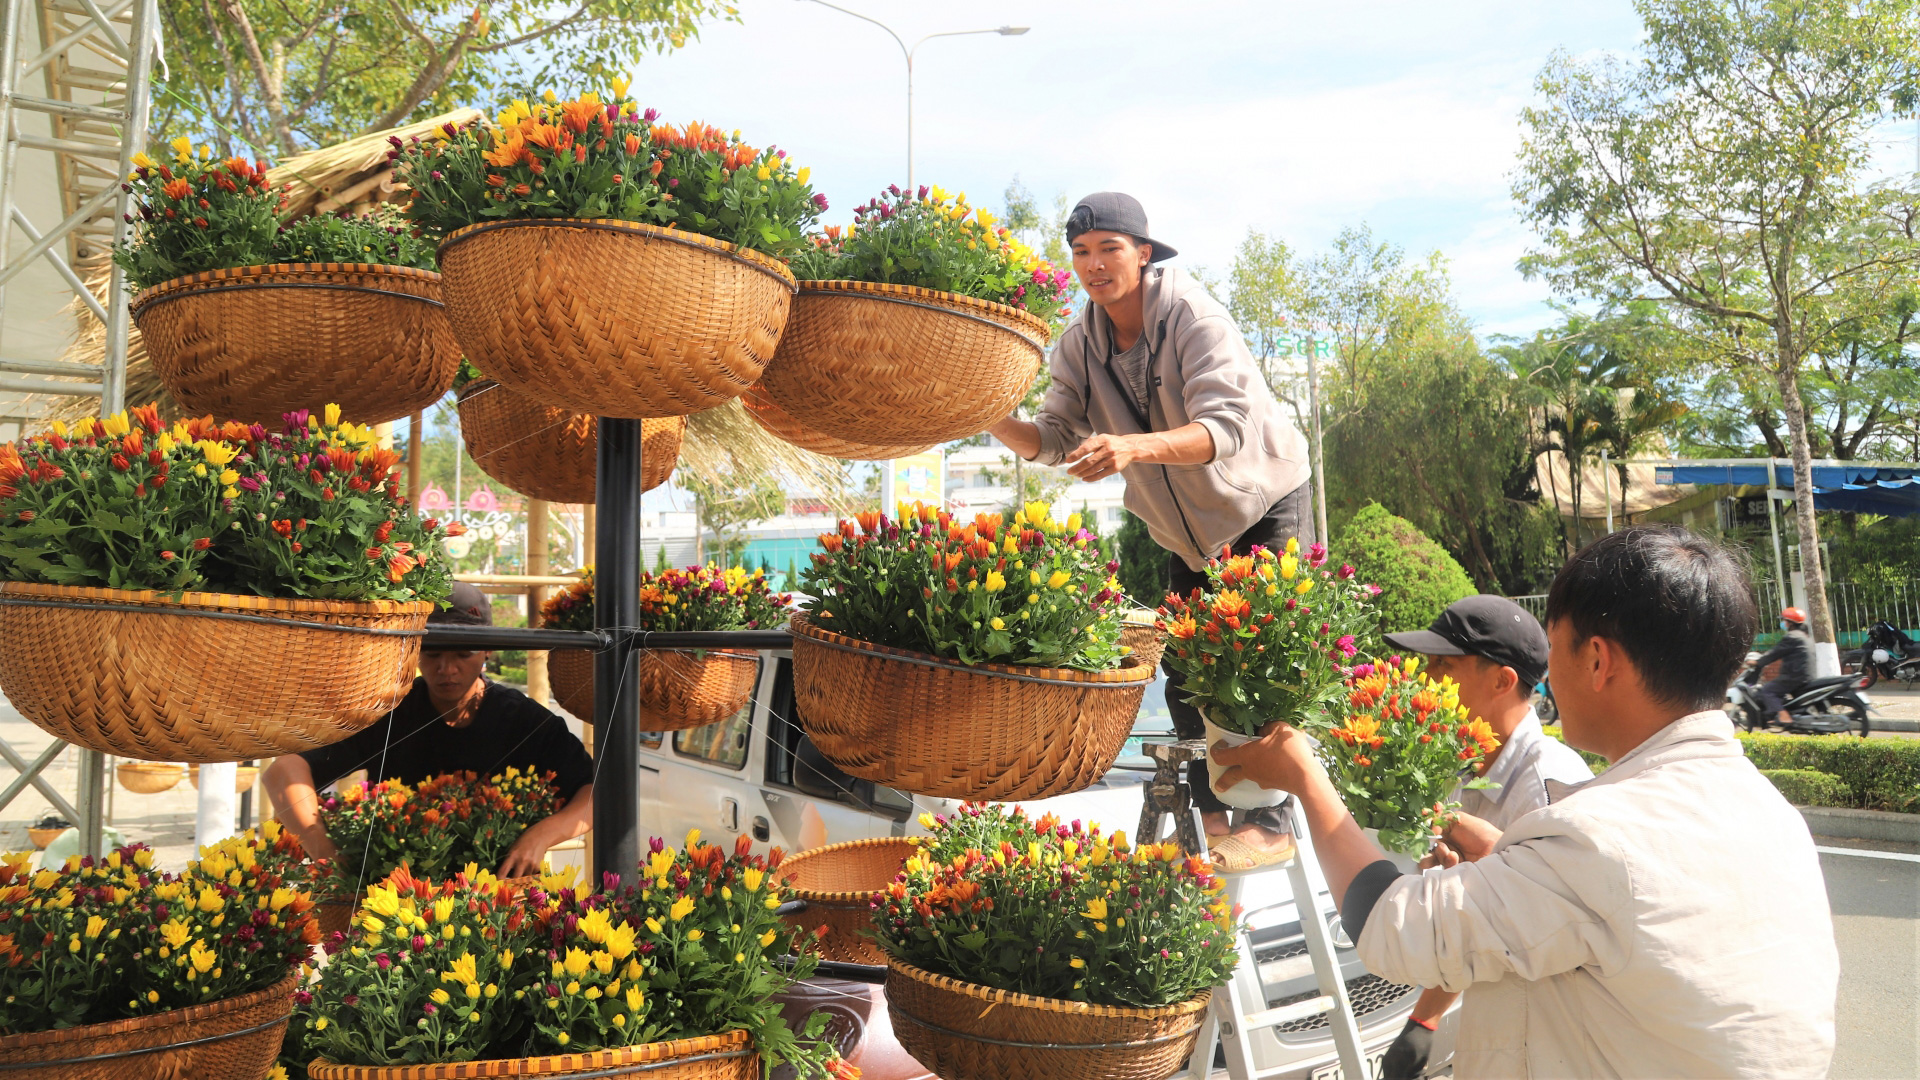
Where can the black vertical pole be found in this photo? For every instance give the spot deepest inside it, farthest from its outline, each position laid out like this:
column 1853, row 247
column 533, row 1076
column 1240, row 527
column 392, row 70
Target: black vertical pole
column 616, row 674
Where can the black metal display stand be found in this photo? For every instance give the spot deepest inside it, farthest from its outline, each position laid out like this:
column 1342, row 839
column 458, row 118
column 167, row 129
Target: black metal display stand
column 617, row 641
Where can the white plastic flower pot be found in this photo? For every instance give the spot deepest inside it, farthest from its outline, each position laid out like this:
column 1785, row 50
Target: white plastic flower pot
column 1244, row 794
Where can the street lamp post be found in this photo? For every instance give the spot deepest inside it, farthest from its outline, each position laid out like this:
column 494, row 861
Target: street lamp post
column 908, row 51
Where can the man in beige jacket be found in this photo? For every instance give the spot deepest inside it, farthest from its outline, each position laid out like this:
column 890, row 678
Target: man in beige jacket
column 1153, row 382
column 1665, row 919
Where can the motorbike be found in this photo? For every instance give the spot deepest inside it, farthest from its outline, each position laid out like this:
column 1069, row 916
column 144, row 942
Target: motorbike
column 1832, row 706
column 1543, row 703
column 1891, row 654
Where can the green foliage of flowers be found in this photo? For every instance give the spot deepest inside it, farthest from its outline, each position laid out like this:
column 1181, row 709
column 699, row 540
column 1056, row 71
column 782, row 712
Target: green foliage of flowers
column 934, row 241
column 196, row 214
column 128, row 503
column 1038, row 591
column 1058, row 910
column 473, row 967
column 99, row 941
column 1417, row 577
column 437, row 827
column 1270, row 638
column 584, row 158
column 384, row 237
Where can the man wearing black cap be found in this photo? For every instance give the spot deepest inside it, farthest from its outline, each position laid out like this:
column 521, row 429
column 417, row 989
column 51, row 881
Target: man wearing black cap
column 1497, row 652
column 1153, row 382
column 454, row 720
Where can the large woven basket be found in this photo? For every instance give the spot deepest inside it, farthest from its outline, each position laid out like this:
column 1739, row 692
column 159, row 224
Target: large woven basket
column 244, row 777
column 149, row 777
column 776, row 421
column 614, row 318
column 549, row 453
column 678, row 690
column 898, row 365
column 1146, row 641
column 207, row 677
column 838, row 882
column 964, row 1031
column 254, row 342
column 237, row 1037
column 712, row 1057
column 946, row 730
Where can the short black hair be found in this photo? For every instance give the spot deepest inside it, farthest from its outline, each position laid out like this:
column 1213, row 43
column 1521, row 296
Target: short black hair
column 1677, row 603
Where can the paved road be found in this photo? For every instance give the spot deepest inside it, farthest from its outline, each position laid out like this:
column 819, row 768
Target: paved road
column 1876, row 920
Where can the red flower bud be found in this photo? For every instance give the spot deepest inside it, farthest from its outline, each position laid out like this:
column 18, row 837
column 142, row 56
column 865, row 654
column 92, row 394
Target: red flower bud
column 167, row 556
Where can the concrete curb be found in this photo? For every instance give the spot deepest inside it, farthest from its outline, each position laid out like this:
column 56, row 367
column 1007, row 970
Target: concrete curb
column 1887, row 724
column 1847, row 824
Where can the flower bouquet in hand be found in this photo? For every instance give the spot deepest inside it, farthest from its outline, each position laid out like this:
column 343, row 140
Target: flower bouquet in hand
column 1270, row 638
column 1405, row 742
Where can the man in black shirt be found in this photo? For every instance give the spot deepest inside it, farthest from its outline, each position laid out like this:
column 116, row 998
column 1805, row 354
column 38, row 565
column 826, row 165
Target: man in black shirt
column 453, row 720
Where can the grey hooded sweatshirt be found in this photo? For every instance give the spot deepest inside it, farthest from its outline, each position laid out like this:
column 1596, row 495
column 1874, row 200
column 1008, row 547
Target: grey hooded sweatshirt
column 1199, row 370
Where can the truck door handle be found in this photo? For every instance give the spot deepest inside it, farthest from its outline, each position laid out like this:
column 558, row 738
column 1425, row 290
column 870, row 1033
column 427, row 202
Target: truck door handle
column 730, row 815
column 762, row 830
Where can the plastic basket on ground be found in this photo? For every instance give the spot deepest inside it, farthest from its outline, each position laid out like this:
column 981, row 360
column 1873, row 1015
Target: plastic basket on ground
column 964, row 1031
column 897, row 365
column 235, row 1037
column 838, row 882
column 149, row 777
column 549, row 453
column 1146, row 641
column 730, row 1056
column 205, row 677
column 678, row 690
column 621, row 319
column 776, row 421
column 254, row 342
column 944, row 729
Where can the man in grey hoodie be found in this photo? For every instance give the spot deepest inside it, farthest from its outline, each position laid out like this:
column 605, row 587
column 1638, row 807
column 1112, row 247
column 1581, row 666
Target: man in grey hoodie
column 1154, row 381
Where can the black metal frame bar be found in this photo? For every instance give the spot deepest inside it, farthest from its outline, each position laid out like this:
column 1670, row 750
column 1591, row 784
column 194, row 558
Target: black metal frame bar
column 516, row 637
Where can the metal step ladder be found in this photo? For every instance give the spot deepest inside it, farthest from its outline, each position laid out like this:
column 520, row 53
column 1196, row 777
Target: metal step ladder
column 1240, row 1005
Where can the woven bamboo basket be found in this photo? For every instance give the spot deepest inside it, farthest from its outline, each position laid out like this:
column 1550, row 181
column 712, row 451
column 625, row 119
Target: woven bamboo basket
column 712, row 1057
column 206, row 677
column 238, row 1037
column 243, row 778
column 838, row 882
column 254, row 342
column 549, row 453
column 335, row 916
column 570, row 675
column 898, row 365
column 964, row 1031
column 622, row 319
column 40, row 838
column 776, row 421
column 148, row 777
column 946, row 730
column 677, row 689
column 1146, row 641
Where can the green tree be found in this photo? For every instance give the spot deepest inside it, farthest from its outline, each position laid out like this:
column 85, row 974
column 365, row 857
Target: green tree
column 290, row 75
column 1723, row 173
column 1143, row 563
column 660, row 563
column 1417, row 577
column 727, row 506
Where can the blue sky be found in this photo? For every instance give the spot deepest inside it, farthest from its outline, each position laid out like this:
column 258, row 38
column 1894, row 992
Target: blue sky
column 1293, row 118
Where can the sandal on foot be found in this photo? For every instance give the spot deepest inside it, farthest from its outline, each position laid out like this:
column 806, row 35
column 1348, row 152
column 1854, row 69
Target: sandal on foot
column 1234, row 855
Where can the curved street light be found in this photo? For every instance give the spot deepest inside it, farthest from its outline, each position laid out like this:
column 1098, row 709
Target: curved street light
column 908, row 51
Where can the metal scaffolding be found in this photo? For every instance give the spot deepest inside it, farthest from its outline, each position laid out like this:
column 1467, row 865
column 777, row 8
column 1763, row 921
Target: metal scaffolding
column 95, row 64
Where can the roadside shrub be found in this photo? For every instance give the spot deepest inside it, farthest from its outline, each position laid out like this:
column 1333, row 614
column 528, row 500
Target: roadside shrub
column 1879, row 774
column 1808, row 787
column 1417, row 577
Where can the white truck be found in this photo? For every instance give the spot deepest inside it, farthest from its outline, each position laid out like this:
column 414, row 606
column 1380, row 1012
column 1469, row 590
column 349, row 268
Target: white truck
column 756, row 774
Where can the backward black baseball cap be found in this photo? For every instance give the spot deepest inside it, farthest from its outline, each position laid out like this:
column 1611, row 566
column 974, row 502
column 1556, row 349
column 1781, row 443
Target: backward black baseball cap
column 1113, row 211
column 1490, row 626
column 466, row 606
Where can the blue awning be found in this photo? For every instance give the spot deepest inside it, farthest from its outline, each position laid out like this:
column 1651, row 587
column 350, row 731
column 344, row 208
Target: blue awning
column 1872, row 488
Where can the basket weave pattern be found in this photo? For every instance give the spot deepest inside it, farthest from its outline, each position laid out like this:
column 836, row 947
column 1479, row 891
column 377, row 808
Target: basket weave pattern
column 710, row 1057
column 549, row 453
column 946, row 730
column 570, row 676
column 613, row 318
column 838, row 882
column 677, row 690
column 254, row 342
column 162, row 684
column 777, row 422
column 149, row 777
column 233, row 1049
column 1147, row 642
column 1063, row 1040
column 927, row 366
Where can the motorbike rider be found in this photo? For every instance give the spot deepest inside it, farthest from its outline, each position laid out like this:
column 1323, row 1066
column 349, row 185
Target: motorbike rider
column 1795, row 654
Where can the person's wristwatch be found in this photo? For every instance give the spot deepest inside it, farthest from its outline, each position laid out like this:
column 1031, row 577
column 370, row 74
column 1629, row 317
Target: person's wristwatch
column 1407, row 1058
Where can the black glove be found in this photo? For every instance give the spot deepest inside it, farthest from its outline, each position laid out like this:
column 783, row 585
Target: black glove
column 1407, row 1058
